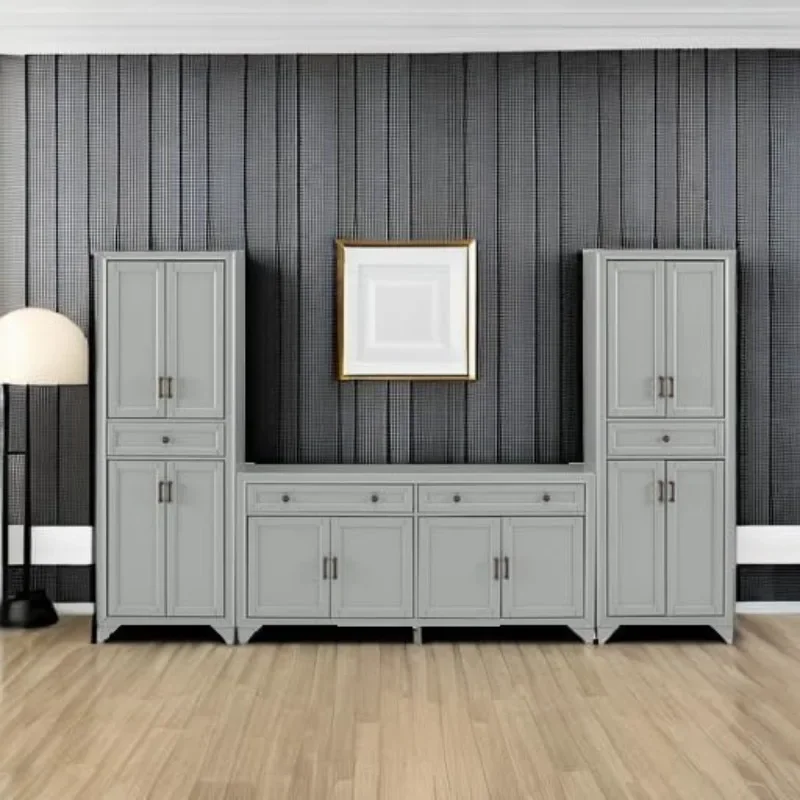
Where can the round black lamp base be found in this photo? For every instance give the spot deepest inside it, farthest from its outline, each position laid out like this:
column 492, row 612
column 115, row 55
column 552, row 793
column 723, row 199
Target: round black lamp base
column 31, row 610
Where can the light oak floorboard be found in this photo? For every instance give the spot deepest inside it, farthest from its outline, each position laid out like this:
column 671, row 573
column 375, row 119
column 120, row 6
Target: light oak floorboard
column 511, row 721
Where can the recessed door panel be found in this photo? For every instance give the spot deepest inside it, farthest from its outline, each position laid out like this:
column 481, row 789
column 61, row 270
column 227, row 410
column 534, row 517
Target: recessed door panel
column 636, row 352
column 195, row 538
column 636, row 538
column 136, row 538
column 372, row 571
column 196, row 339
column 459, row 567
column 695, row 538
column 542, row 567
column 696, row 338
column 135, row 358
column 288, row 567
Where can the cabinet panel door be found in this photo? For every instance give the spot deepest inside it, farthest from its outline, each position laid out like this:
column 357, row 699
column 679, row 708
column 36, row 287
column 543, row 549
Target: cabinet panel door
column 195, row 539
column 695, row 538
column 459, row 567
column 542, row 567
column 136, row 546
column 286, row 572
column 372, row 575
column 196, row 338
column 636, row 350
column 135, row 330
column 636, row 538
column 696, row 338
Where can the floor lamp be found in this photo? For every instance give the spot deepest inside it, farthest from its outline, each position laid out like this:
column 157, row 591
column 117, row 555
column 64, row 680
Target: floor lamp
column 38, row 347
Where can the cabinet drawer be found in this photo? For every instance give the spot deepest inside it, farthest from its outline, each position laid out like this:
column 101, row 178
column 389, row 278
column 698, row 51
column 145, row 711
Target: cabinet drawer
column 502, row 500
column 666, row 439
column 329, row 499
column 166, row 439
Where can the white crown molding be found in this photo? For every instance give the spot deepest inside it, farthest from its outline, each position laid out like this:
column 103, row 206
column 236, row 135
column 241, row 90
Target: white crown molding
column 314, row 26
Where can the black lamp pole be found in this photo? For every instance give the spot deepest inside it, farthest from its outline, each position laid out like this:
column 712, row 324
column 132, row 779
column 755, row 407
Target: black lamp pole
column 5, row 494
column 28, row 608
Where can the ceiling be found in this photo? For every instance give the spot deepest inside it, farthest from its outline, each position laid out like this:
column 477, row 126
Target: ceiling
column 341, row 26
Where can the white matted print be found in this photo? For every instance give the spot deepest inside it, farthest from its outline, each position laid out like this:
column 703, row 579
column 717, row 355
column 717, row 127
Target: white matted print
column 407, row 310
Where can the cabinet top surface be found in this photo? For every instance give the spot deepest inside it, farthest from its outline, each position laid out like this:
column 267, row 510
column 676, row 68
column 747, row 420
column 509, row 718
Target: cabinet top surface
column 663, row 254
column 403, row 473
column 166, row 255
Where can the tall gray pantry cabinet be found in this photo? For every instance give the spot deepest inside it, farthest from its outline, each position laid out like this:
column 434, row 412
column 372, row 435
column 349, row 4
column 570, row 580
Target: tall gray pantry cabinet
column 660, row 416
column 170, row 431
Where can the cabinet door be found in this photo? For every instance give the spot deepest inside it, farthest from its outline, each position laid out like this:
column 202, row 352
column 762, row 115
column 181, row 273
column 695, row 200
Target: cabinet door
column 288, row 567
column 196, row 338
column 195, row 539
column 636, row 538
column 135, row 534
column 636, row 350
column 542, row 567
column 459, row 567
column 695, row 538
column 371, row 574
column 696, row 338
column 135, row 336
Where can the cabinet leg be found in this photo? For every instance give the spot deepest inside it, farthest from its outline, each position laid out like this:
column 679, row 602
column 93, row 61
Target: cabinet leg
column 104, row 630
column 725, row 632
column 245, row 633
column 604, row 634
column 417, row 635
column 587, row 635
column 228, row 635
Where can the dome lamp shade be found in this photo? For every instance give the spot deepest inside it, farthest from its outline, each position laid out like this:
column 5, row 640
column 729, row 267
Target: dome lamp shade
column 39, row 347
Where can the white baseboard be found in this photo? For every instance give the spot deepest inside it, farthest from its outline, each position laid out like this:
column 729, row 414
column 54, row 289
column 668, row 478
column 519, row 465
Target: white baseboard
column 55, row 544
column 74, row 609
column 756, row 544
column 768, row 607
column 768, row 544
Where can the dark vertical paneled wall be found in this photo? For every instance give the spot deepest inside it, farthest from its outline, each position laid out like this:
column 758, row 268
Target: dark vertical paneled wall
column 536, row 155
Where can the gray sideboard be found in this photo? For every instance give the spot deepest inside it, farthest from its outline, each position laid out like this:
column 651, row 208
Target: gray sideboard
column 415, row 546
column 170, row 432
column 659, row 430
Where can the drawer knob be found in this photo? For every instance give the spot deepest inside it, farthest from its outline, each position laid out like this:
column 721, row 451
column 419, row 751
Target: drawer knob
column 665, row 437
column 546, row 498
column 456, row 498
column 374, row 498
column 165, row 440
column 285, row 498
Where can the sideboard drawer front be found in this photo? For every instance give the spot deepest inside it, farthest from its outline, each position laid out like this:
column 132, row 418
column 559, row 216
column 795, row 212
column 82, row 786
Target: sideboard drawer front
column 329, row 498
column 502, row 499
column 666, row 439
column 166, row 439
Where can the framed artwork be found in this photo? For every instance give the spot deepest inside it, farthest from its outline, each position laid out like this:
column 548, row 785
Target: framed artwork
column 407, row 310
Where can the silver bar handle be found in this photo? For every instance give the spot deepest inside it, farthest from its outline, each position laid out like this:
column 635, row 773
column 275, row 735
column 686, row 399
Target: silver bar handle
column 671, row 386
column 496, row 568
column 161, row 491
column 660, row 491
column 506, row 567
column 672, row 491
column 661, row 386
column 335, row 568
column 325, row 568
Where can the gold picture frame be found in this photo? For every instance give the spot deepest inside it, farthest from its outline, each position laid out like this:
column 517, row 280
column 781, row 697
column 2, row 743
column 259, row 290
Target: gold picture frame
column 462, row 267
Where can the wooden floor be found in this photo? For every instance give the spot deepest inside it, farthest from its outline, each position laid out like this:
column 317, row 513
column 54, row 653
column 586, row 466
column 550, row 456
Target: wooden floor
column 306, row 721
